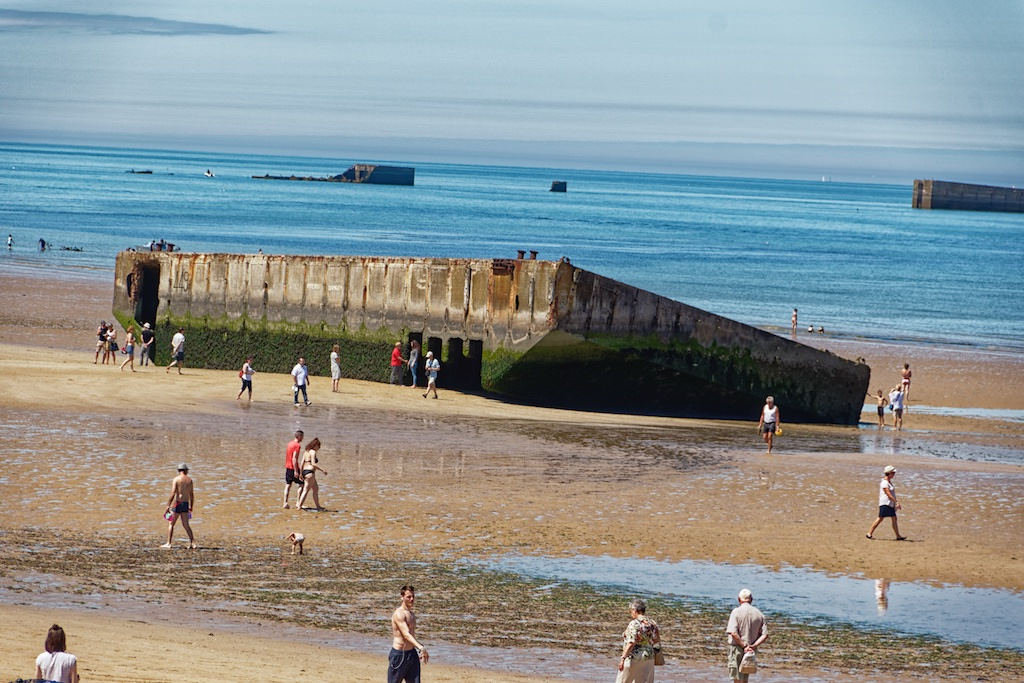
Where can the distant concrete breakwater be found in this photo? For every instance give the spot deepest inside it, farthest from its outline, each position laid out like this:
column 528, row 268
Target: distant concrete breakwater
column 542, row 332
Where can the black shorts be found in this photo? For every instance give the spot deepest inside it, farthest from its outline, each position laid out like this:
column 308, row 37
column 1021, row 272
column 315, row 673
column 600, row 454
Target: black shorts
column 767, row 428
column 246, row 384
column 181, row 508
column 886, row 511
column 403, row 666
column 898, row 411
column 180, row 356
column 881, row 411
column 290, row 477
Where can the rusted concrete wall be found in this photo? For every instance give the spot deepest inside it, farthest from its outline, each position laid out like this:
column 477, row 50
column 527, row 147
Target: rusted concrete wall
column 546, row 330
column 939, row 194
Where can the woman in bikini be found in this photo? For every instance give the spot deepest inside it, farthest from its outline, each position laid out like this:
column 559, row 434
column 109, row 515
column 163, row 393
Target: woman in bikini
column 129, row 348
column 309, row 468
column 905, row 374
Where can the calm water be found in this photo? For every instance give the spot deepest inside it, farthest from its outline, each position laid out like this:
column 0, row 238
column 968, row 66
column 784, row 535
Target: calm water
column 854, row 258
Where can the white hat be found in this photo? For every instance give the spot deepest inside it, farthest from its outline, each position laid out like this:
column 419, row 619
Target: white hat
column 745, row 595
column 183, row 467
column 888, row 469
column 430, row 354
column 145, row 326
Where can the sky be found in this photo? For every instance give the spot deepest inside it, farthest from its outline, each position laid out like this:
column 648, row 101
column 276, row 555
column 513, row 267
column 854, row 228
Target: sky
column 864, row 90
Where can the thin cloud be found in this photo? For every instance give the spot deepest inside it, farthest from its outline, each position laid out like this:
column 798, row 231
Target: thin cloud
column 119, row 24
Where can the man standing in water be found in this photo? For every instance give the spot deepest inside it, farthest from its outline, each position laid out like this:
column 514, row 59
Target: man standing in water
column 180, row 505
column 770, row 421
column 747, row 630
column 403, row 664
column 291, row 465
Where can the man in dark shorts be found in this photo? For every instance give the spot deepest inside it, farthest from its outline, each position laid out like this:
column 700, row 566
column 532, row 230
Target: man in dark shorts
column 180, row 505
column 887, row 503
column 406, row 652
column 177, row 350
column 291, row 466
column 147, row 344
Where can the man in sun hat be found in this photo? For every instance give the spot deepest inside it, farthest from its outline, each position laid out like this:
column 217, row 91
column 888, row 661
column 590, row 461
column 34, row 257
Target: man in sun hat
column 747, row 629
column 179, row 505
column 887, row 503
column 433, row 367
column 147, row 343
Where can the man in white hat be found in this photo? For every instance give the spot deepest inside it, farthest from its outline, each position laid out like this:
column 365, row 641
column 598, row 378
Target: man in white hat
column 147, row 343
column 747, row 629
column 887, row 503
column 433, row 367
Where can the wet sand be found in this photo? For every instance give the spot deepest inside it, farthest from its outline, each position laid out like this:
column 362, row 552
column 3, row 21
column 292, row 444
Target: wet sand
column 469, row 477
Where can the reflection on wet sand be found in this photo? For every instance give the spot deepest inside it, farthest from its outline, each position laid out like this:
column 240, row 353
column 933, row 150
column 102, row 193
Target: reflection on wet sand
column 881, row 596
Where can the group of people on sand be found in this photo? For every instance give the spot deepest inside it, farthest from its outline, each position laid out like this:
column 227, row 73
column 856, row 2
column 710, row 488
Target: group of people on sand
column 897, row 400
column 108, row 347
column 399, row 364
column 302, row 471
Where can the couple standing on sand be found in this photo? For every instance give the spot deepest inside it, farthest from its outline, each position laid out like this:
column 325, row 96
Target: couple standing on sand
column 302, row 471
column 433, row 366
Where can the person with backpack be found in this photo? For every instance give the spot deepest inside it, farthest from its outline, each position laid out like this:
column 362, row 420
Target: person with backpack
column 245, row 374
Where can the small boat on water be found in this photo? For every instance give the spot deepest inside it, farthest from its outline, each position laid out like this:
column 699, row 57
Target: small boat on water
column 209, row 174
column 156, row 245
column 145, row 172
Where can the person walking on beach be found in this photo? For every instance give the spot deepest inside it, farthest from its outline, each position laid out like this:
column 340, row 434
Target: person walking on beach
column 406, row 652
column 414, row 359
column 111, row 351
column 433, row 367
column 54, row 664
column 308, row 469
column 896, row 403
column 905, row 375
column 641, row 641
column 147, row 344
column 792, row 321
column 300, row 376
column 887, row 503
column 397, row 363
column 335, row 367
column 291, row 466
column 747, row 629
column 246, row 376
column 180, row 505
column 770, row 422
column 101, row 341
column 129, row 348
column 882, row 403
column 177, row 350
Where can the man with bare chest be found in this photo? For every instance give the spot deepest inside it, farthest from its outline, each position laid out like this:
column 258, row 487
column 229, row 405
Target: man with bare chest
column 406, row 651
column 179, row 506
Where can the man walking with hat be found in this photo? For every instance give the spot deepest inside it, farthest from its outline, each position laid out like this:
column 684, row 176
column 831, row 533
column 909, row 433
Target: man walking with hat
column 887, row 503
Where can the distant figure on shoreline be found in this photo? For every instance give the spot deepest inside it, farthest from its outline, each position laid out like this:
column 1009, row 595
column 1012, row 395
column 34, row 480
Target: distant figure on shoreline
column 414, row 359
column 177, row 350
column 179, row 506
column 296, row 540
column 882, row 403
column 747, row 629
column 42, row 244
column 55, row 664
column 905, row 381
column 896, row 403
column 335, row 367
column 147, row 344
column 770, row 422
column 308, row 469
column 397, row 363
column 10, row 241
column 300, row 377
column 887, row 504
column 793, row 321
column 433, row 367
column 245, row 374
column 291, row 466
column 111, row 351
column 403, row 665
column 821, row 330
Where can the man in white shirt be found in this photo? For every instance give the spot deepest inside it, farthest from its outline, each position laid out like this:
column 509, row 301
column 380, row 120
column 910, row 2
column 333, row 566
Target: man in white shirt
column 177, row 350
column 301, row 375
column 433, row 367
column 887, row 503
column 896, row 402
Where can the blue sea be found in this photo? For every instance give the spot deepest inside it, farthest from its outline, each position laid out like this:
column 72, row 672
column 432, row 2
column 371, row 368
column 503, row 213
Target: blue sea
column 854, row 258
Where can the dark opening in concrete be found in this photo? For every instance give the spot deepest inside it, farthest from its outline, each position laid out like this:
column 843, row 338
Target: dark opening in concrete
column 147, row 293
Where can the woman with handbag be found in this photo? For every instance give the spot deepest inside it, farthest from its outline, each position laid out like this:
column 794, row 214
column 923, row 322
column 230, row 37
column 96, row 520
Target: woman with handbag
column 641, row 646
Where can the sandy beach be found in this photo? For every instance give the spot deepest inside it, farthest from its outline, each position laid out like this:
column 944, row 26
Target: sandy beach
column 415, row 487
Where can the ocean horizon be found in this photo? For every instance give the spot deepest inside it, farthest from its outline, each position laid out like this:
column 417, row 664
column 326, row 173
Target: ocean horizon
column 853, row 257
